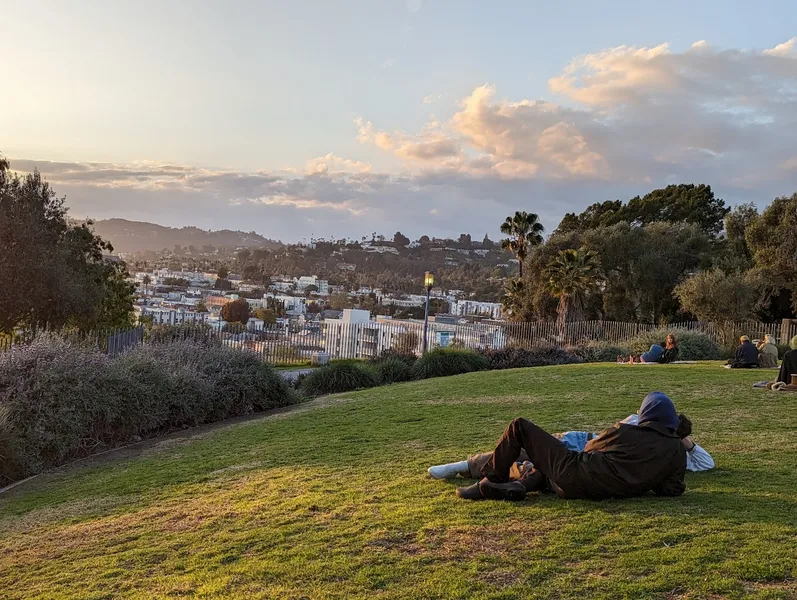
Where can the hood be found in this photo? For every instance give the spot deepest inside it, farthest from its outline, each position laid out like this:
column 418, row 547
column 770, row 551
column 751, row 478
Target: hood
column 658, row 408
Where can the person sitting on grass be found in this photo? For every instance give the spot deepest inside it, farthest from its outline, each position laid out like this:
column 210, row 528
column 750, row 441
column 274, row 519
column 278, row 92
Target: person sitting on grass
column 697, row 459
column 667, row 353
column 767, row 353
column 788, row 367
column 746, row 355
column 623, row 461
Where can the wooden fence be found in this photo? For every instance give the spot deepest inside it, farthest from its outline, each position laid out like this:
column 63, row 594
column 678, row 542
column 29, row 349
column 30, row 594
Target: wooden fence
column 296, row 343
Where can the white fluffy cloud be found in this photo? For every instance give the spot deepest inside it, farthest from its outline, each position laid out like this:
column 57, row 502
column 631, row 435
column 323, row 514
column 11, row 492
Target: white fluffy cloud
column 618, row 122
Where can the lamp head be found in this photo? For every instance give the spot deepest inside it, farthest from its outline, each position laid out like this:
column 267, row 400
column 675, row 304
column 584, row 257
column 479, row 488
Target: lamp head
column 428, row 279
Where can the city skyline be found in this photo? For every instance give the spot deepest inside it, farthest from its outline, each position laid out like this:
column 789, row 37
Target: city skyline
column 428, row 118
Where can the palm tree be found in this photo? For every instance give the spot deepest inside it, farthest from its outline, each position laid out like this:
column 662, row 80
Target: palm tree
column 513, row 298
column 524, row 230
column 146, row 280
column 572, row 275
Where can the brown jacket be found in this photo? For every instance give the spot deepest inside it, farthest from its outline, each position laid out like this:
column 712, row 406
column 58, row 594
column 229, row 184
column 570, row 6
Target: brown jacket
column 626, row 460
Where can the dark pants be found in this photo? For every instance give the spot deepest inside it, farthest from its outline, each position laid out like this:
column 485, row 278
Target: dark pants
column 740, row 365
column 552, row 460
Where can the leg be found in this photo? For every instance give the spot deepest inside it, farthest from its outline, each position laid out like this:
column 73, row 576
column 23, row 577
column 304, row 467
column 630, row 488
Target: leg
column 548, row 454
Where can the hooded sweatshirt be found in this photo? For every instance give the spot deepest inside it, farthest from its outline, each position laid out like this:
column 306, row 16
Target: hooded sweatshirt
column 630, row 460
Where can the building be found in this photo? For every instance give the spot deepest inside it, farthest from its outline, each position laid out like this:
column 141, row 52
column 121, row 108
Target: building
column 463, row 308
column 169, row 316
column 355, row 335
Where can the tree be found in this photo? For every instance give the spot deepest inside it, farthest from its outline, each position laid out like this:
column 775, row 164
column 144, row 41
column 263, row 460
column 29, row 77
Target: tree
column 223, row 272
column 773, row 242
column 339, row 301
column 736, row 255
column 717, row 296
column 524, row 230
column 146, row 280
column 236, row 311
column 464, row 240
column 681, row 203
column 424, row 240
column 310, row 290
column 268, row 316
column 571, row 277
column 487, row 242
column 514, row 299
column 223, row 285
column 400, row 240
column 201, row 307
column 53, row 272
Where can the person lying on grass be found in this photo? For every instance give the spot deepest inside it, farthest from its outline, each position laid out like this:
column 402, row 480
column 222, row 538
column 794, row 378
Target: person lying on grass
column 623, row 461
column 668, row 353
column 697, row 459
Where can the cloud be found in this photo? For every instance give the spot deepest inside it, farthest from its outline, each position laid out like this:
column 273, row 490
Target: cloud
column 617, row 122
column 388, row 63
column 431, row 98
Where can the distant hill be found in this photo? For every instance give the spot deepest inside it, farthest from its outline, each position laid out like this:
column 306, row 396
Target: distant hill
column 136, row 236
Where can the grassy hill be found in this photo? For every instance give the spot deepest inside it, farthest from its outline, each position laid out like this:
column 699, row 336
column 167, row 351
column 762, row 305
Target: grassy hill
column 332, row 501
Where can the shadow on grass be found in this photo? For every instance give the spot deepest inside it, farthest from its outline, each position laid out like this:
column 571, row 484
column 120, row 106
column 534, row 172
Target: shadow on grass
column 739, row 506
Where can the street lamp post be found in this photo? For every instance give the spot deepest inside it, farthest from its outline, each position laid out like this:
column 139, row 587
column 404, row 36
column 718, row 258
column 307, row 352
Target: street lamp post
column 428, row 281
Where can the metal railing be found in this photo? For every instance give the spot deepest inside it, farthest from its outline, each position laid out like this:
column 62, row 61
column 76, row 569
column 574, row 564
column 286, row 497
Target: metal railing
column 295, row 342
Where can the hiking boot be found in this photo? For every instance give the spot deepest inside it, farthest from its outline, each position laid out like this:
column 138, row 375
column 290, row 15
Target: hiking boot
column 471, row 492
column 512, row 490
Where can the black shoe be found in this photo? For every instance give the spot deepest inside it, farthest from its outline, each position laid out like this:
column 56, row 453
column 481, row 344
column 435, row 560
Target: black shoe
column 471, row 492
column 512, row 490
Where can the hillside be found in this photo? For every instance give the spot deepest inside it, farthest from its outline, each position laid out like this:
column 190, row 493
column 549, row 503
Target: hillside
column 136, row 236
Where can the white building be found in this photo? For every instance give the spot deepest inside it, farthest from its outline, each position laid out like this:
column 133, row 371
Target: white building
column 407, row 302
column 463, row 308
column 169, row 316
column 354, row 335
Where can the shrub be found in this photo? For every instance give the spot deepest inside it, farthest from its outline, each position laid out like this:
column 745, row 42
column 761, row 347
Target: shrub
column 408, row 358
column 442, row 362
column 393, row 370
column 340, row 376
column 514, row 357
column 600, row 351
column 61, row 401
column 692, row 345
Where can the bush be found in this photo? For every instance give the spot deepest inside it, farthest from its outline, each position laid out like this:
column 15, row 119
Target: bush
column 62, row 401
column 538, row 356
column 393, row 370
column 340, row 376
column 443, row 362
column 692, row 345
column 408, row 358
column 600, row 351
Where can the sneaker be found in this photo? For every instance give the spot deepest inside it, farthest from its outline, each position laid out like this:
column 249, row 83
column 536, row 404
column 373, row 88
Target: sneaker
column 471, row 492
column 512, row 490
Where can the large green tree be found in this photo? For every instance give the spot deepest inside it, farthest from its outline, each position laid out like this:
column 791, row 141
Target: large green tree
column 683, row 203
column 714, row 295
column 51, row 272
column 572, row 276
column 524, row 231
column 772, row 239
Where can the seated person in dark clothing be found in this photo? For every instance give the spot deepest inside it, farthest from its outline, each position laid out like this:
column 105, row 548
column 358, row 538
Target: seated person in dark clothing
column 789, row 365
column 746, row 355
column 657, row 354
column 623, row 461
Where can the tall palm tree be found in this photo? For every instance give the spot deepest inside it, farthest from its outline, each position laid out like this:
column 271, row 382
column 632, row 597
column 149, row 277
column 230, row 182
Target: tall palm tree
column 513, row 298
column 572, row 276
column 146, row 280
column 524, row 231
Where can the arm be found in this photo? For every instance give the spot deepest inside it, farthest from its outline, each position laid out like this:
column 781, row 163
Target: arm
column 697, row 459
column 674, row 485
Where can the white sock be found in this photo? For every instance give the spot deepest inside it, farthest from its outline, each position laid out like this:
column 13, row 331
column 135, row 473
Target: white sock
column 449, row 470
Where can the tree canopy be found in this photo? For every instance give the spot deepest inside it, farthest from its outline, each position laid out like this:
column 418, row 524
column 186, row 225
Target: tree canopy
column 52, row 272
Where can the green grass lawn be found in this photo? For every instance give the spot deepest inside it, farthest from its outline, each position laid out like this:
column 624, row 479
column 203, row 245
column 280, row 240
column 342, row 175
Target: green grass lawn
column 333, row 501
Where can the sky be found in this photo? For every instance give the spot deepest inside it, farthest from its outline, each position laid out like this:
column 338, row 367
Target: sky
column 330, row 119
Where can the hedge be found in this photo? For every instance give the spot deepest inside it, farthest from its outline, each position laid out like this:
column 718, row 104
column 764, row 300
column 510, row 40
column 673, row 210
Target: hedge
column 61, row 401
